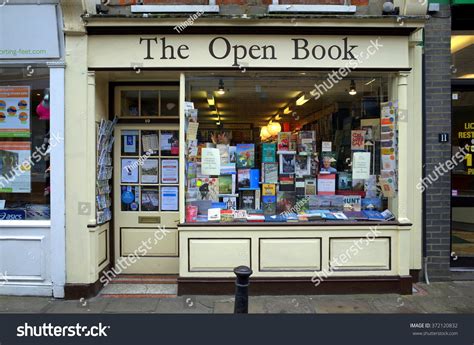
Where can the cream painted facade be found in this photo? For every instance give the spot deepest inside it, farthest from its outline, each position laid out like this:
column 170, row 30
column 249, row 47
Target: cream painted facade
column 212, row 251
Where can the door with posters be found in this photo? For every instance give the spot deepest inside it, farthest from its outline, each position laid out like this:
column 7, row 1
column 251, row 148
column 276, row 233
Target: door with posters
column 146, row 191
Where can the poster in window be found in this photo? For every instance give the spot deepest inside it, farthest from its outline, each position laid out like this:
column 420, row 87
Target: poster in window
column 15, row 167
column 169, row 198
column 169, row 171
column 150, row 171
column 129, row 170
column 14, row 111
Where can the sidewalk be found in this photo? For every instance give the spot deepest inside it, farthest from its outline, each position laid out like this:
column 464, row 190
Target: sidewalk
column 446, row 297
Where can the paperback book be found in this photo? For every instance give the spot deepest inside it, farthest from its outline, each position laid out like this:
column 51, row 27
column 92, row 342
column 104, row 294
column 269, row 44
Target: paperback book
column 227, row 184
column 284, row 139
column 245, row 155
column 270, row 172
column 268, row 153
column 303, row 166
column 243, row 178
column 269, row 205
column 287, row 163
column 285, row 201
column 247, row 200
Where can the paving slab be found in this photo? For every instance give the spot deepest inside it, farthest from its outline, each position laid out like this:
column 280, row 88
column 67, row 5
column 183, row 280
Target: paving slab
column 131, row 305
column 17, row 304
column 257, row 305
column 396, row 305
column 288, row 304
column 78, row 307
column 334, row 304
column 223, row 308
column 181, row 305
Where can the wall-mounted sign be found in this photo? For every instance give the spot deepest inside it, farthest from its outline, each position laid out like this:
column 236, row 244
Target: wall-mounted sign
column 443, row 137
column 241, row 51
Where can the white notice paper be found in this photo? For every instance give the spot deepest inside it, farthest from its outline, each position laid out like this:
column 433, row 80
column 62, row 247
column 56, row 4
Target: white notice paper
column 326, row 146
column 169, row 171
column 210, row 161
column 169, row 198
column 361, row 165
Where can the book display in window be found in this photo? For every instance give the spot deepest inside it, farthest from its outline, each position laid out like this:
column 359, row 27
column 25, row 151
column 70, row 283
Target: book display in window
column 324, row 170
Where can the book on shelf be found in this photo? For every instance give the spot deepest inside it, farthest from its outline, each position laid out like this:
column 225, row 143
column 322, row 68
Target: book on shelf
column 227, row 216
column 240, row 215
column 372, row 204
column 269, row 205
column 243, row 178
column 268, row 189
column 373, row 215
column 228, row 169
column 214, row 214
column 284, row 139
column 223, row 153
column 268, row 152
column 287, row 163
column 208, row 188
column 245, row 155
column 255, row 178
column 326, row 184
column 302, row 166
column 340, row 215
column 327, row 202
column 306, row 142
column 226, row 184
column 230, row 201
column 387, row 215
column 232, row 154
column 355, row 215
column 310, row 186
column 287, row 183
column 344, row 180
column 285, row 201
column 270, row 172
column 299, row 187
column 247, row 200
column 352, row 202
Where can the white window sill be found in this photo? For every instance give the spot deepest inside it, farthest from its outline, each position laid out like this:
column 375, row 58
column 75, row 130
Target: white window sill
column 25, row 224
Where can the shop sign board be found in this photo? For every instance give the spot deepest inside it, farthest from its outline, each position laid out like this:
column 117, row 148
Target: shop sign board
column 242, row 51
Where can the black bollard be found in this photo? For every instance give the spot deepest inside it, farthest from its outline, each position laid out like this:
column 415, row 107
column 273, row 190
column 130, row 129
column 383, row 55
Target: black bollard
column 241, row 305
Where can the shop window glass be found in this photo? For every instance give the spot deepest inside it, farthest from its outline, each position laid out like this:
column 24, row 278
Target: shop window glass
column 462, row 51
column 25, row 143
column 267, row 147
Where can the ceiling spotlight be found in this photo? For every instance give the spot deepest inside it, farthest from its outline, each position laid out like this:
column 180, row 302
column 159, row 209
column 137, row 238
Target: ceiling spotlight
column 221, row 89
column 210, row 100
column 302, row 100
column 352, row 88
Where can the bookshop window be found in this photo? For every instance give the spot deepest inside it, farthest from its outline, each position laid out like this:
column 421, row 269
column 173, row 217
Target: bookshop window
column 24, row 144
column 289, row 147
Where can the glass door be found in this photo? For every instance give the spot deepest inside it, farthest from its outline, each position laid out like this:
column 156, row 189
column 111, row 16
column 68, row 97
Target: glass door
column 146, row 198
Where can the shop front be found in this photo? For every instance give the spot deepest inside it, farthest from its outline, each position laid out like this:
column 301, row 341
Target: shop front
column 294, row 151
column 32, row 237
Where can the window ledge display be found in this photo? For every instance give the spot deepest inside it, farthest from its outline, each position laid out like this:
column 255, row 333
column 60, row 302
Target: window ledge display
column 310, row 223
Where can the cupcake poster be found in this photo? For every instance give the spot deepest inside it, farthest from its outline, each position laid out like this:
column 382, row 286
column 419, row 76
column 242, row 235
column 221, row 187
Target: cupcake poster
column 14, row 111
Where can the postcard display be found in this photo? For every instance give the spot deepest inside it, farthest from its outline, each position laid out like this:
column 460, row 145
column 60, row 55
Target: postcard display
column 287, row 179
column 105, row 141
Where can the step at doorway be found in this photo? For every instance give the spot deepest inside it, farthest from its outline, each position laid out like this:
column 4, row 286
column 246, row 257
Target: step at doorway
column 141, row 286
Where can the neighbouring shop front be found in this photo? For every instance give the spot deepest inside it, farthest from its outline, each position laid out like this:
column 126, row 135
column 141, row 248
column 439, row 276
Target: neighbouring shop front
column 32, row 239
column 462, row 181
column 296, row 152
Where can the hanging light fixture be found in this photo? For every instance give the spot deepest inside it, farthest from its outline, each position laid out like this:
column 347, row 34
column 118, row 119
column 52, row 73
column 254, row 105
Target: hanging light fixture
column 221, row 89
column 352, row 88
column 274, row 128
column 264, row 134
